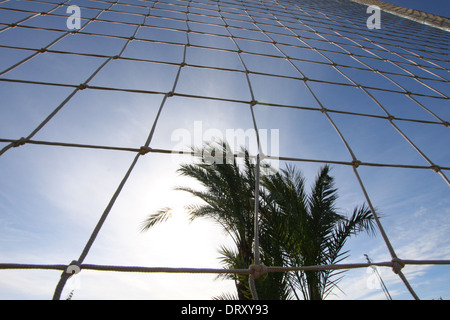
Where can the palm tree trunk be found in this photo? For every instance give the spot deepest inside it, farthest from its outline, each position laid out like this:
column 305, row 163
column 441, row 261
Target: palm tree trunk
column 242, row 289
column 314, row 284
column 245, row 254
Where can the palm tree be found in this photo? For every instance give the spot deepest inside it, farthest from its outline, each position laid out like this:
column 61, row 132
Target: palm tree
column 296, row 229
column 309, row 228
column 229, row 199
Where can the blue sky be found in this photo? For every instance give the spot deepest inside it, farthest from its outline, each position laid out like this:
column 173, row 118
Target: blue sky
column 52, row 197
column 439, row 7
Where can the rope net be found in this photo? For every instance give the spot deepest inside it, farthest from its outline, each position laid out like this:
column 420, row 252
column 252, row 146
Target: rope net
column 94, row 118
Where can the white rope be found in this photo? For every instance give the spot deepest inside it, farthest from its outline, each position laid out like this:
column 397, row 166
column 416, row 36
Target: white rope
column 257, row 269
column 253, row 269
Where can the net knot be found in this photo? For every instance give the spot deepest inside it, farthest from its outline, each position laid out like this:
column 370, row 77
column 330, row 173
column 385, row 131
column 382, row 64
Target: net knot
column 356, row 163
column 19, row 142
column 435, row 168
column 73, row 268
column 144, row 150
column 258, row 270
column 397, row 265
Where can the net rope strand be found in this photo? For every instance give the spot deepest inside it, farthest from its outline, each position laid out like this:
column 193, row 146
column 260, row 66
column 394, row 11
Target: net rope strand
column 40, row 50
column 147, row 40
column 317, row 22
column 355, row 160
column 195, row 154
column 146, row 269
column 66, row 275
column 389, row 246
column 79, row 87
column 389, row 116
column 143, row 149
column 254, row 10
column 220, row 49
column 253, row 102
column 399, row 66
column 167, row 28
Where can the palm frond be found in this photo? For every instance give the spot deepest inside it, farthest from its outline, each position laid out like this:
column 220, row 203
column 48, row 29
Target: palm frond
column 322, row 206
column 226, row 296
column 332, row 285
column 297, row 228
column 161, row 216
